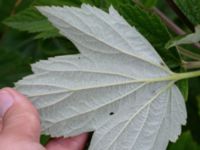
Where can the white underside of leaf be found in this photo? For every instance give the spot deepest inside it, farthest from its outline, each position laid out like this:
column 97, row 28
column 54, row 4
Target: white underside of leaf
column 112, row 87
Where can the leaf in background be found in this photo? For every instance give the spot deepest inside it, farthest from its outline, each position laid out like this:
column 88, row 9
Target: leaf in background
column 198, row 102
column 192, row 109
column 191, row 8
column 103, row 4
column 28, row 47
column 44, row 139
column 32, row 21
column 6, row 8
column 154, row 30
column 58, row 2
column 148, row 3
column 184, row 87
column 145, row 22
column 22, row 4
column 185, row 142
column 13, row 67
column 187, row 39
column 118, row 86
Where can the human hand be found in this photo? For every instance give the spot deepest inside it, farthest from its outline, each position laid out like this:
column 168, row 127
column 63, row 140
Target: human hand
column 20, row 126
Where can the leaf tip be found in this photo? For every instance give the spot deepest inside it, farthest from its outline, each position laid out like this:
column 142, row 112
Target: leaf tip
column 169, row 44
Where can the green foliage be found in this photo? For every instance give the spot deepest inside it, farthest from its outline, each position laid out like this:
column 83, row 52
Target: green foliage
column 44, row 139
column 9, row 72
column 192, row 108
column 198, row 101
column 104, row 4
column 101, row 4
column 183, row 86
column 6, row 8
column 58, row 2
column 149, row 3
column 23, row 4
column 191, row 8
column 30, row 20
column 19, row 50
column 185, row 142
column 152, row 28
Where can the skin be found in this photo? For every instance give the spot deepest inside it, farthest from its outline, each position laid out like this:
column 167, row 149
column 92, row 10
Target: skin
column 20, row 128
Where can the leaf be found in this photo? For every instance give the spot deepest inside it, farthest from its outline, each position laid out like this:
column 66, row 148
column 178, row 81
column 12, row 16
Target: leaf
column 118, row 86
column 104, row 4
column 198, row 102
column 149, row 3
column 32, row 21
column 13, row 67
column 183, row 86
column 188, row 39
column 185, row 142
column 24, row 21
column 44, row 139
column 100, row 4
column 191, row 8
column 58, row 2
column 6, row 8
column 146, row 23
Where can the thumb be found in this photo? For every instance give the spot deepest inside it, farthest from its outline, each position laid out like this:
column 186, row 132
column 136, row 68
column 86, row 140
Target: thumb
column 19, row 118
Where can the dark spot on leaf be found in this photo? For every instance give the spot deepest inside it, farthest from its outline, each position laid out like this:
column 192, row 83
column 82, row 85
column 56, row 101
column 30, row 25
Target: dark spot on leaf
column 79, row 57
column 111, row 113
column 162, row 64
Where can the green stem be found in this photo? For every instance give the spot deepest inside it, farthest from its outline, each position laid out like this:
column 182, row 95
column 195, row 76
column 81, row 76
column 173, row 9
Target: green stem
column 186, row 75
column 175, row 77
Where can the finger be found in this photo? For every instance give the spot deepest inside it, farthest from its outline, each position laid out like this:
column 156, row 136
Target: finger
column 19, row 117
column 73, row 143
column 0, row 124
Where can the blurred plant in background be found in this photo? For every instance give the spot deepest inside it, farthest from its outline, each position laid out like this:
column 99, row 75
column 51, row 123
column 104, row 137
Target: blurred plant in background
column 26, row 37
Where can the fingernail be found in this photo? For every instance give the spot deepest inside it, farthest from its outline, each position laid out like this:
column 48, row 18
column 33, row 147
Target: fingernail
column 6, row 101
